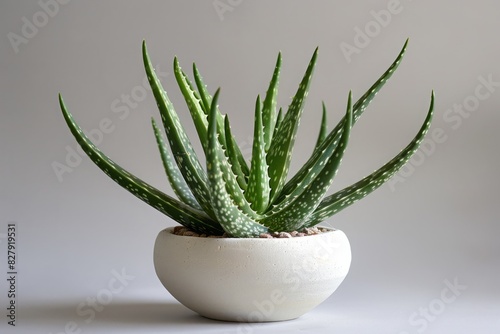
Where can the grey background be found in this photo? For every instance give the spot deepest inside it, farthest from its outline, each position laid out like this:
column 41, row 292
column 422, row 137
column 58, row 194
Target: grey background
column 439, row 225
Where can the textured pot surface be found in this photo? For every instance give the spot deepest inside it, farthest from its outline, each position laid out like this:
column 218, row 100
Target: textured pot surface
column 252, row 280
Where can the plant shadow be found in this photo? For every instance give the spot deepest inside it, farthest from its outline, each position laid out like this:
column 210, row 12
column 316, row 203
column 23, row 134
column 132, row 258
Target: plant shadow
column 116, row 313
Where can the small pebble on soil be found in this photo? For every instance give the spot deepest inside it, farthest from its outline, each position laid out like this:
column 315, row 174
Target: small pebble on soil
column 184, row 231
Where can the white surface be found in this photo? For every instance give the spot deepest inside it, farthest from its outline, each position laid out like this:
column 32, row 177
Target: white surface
column 340, row 314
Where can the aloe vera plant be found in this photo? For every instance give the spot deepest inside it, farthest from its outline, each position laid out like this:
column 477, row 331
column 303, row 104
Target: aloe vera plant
column 245, row 199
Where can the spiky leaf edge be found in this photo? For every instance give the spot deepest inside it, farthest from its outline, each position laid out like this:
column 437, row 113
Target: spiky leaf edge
column 178, row 211
column 280, row 151
column 345, row 197
column 323, row 151
column 230, row 206
column 181, row 147
column 269, row 105
column 258, row 190
column 293, row 211
column 174, row 176
column 323, row 129
column 240, row 164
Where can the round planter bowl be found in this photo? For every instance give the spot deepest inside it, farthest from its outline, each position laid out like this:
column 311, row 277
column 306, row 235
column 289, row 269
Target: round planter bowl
column 252, row 279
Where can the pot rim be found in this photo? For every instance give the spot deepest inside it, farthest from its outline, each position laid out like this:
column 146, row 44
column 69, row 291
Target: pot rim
column 230, row 240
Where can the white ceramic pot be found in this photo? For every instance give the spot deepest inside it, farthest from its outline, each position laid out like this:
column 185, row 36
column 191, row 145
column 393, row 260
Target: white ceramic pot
column 252, row 279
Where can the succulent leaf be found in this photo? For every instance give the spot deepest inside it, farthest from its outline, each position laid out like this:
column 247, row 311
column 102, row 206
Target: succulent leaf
column 203, row 91
column 194, row 103
column 231, row 196
column 340, row 200
column 326, row 148
column 290, row 214
column 175, row 178
column 279, row 120
column 258, row 189
column 280, row 152
column 323, row 130
column 269, row 106
column 229, row 204
column 363, row 101
column 224, row 164
column 177, row 210
column 181, row 147
column 207, row 100
column 232, row 155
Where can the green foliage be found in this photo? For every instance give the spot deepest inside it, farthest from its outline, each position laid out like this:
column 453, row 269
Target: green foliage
column 229, row 195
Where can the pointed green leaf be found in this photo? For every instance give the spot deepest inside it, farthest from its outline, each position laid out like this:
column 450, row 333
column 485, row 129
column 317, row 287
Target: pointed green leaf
column 342, row 199
column 230, row 206
column 269, row 106
column 362, row 103
column 326, row 148
column 175, row 178
column 280, row 152
column 207, row 100
column 197, row 107
column 181, row 147
column 203, row 91
column 258, row 189
column 290, row 214
column 323, row 130
column 279, row 120
column 230, row 179
column 178, row 211
column 193, row 102
column 233, row 156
